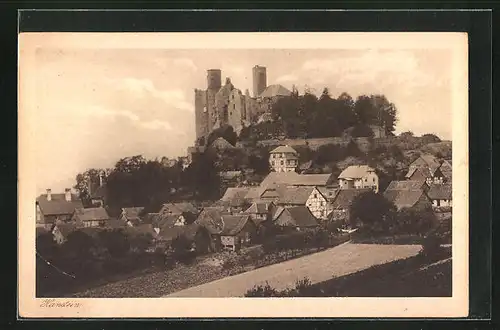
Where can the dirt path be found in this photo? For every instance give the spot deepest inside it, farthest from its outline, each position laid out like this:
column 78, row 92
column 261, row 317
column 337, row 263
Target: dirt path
column 318, row 267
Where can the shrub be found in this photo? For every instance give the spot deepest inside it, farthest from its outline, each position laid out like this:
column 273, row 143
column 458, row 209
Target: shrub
column 262, row 291
column 431, row 246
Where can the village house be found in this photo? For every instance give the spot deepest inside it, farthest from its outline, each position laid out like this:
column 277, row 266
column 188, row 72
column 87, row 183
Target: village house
column 90, row 217
column 378, row 131
column 56, row 207
column 237, row 231
column 235, row 198
column 341, row 203
column 428, row 167
column 178, row 208
column 60, row 231
column 407, row 196
column 260, row 211
column 310, row 197
column 440, row 195
column 98, row 194
column 210, row 218
column 131, row 215
column 166, row 234
column 294, row 179
column 358, row 177
column 297, row 217
column 283, row 159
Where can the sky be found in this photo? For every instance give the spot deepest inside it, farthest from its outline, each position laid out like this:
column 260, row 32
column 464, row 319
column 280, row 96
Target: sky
column 96, row 102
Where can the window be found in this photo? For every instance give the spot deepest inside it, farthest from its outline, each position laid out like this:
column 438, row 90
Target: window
column 373, row 180
column 282, row 163
column 315, row 195
column 234, row 105
column 366, row 180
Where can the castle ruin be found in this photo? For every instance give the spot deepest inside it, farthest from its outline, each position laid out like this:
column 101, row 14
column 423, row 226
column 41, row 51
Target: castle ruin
column 219, row 105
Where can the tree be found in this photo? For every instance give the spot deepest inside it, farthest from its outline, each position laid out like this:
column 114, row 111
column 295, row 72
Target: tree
column 46, row 245
column 78, row 245
column 262, row 291
column 141, row 242
column 115, row 241
column 202, row 240
column 416, row 221
column 87, row 182
column 226, row 132
column 361, row 131
column 430, row 138
column 372, row 212
column 407, row 134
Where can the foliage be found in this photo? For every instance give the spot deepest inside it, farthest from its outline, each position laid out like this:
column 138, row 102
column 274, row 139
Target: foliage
column 415, row 221
column 361, row 130
column 141, row 242
column 226, row 132
column 115, row 241
column 372, row 212
column 79, row 245
column 430, row 138
column 262, row 291
column 46, row 245
column 309, row 116
column 89, row 179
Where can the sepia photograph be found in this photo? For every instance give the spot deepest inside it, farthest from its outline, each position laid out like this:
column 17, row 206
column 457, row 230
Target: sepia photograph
column 297, row 166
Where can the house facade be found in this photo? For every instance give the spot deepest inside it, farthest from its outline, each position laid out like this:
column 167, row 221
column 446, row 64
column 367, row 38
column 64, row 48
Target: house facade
column 90, row 217
column 407, row 197
column 52, row 208
column 283, row 159
column 297, row 217
column 310, row 197
column 238, row 231
column 429, row 168
column 131, row 215
column 359, row 177
column 440, row 195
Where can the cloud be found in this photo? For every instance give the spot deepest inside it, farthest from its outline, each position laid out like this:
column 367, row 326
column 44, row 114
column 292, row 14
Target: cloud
column 287, row 78
column 157, row 125
column 146, row 89
column 185, row 62
column 373, row 67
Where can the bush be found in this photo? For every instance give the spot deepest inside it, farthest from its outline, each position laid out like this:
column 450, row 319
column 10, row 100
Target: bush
column 431, row 246
column 262, row 291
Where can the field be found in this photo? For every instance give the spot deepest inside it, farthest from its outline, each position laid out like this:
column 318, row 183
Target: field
column 318, row 267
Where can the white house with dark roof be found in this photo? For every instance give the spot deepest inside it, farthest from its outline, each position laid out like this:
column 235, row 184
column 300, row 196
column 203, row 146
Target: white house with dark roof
column 407, row 196
column 359, row 177
column 56, row 207
column 284, row 159
column 310, row 197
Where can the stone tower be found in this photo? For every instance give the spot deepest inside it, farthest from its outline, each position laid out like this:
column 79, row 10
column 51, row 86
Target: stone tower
column 259, row 80
column 214, row 83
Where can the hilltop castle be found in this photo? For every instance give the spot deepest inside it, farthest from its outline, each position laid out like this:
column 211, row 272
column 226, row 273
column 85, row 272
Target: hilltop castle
column 226, row 105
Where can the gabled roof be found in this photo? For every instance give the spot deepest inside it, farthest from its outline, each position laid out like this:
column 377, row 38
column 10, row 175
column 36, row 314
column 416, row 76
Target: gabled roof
column 233, row 224
column 446, row 168
column 344, row 197
column 211, row 219
column 329, row 194
column 404, row 198
column 275, row 90
column 132, row 213
column 356, row 172
column 405, row 185
column 169, row 233
column 93, row 213
column 254, row 193
column 258, row 208
column 283, row 149
column 440, row 191
column 178, row 208
column 58, row 204
column 426, row 161
column 235, row 196
column 229, row 175
column 301, row 216
column 296, row 195
column 295, row 179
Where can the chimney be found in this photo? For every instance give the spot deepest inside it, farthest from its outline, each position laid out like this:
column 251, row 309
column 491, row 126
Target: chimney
column 67, row 194
column 49, row 194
